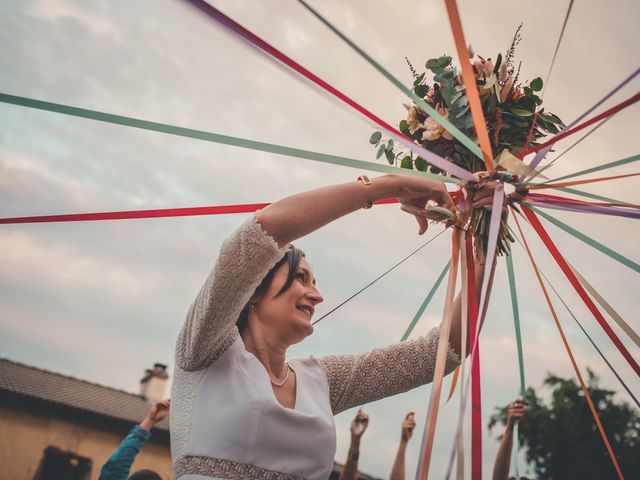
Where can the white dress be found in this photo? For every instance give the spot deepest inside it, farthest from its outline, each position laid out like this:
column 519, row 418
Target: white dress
column 225, row 419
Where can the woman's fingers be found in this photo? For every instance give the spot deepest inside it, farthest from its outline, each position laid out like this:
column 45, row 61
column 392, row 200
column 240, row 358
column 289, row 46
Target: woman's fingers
column 423, row 215
column 423, row 224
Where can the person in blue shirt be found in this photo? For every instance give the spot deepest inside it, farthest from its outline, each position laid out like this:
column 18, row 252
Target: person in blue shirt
column 119, row 464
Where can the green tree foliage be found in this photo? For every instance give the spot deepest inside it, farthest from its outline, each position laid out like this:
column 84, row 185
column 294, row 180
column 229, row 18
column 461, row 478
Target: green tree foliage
column 560, row 437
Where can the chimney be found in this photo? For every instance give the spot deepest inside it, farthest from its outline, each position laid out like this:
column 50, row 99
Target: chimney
column 153, row 382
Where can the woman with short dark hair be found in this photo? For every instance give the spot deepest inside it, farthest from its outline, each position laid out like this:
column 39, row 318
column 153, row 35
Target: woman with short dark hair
column 240, row 409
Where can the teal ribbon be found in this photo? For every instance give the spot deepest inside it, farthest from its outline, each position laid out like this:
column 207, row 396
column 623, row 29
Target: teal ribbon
column 450, row 127
column 425, row 303
column 514, row 451
column 624, row 161
column 516, row 322
column 216, row 138
column 588, row 240
column 516, row 319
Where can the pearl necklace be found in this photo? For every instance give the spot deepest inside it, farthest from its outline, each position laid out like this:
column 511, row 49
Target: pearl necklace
column 277, row 383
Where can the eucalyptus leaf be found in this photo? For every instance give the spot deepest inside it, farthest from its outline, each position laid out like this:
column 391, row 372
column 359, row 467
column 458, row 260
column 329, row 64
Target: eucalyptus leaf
column 390, row 156
column 432, row 63
column 390, row 145
column 447, row 74
column 404, row 127
column 444, row 60
column 421, row 90
column 407, row 162
column 448, row 93
column 375, row 138
column 380, row 151
column 536, row 84
column 435, row 170
column 421, row 164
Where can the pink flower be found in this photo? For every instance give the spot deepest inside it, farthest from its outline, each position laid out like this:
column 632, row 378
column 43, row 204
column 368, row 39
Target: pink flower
column 433, row 130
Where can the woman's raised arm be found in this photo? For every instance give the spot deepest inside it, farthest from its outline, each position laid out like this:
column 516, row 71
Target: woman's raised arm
column 296, row 216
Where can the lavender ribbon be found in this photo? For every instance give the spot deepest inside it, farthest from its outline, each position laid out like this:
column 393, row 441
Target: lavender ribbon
column 615, row 211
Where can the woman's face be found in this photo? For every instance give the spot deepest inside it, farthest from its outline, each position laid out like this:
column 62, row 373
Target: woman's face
column 289, row 314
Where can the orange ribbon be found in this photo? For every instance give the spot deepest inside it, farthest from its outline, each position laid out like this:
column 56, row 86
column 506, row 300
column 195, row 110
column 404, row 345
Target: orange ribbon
column 441, row 357
column 470, row 84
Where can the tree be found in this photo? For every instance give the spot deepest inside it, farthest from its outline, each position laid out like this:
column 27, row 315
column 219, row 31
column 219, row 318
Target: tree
column 560, row 437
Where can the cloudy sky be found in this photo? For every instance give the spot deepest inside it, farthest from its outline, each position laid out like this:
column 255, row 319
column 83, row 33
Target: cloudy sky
column 104, row 300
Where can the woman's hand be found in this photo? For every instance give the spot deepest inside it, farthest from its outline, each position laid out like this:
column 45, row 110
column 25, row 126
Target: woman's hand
column 482, row 197
column 417, row 192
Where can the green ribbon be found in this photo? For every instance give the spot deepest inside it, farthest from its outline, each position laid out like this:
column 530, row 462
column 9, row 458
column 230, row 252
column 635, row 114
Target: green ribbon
column 426, row 302
column 450, row 127
column 516, row 319
column 516, row 322
column 515, row 450
column 216, row 138
column 588, row 240
column 624, row 161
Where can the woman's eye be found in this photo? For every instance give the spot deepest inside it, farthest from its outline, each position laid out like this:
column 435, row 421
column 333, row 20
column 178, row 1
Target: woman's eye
column 300, row 276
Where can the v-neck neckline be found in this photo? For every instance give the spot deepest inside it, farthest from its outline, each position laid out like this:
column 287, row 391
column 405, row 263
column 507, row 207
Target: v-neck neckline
column 269, row 386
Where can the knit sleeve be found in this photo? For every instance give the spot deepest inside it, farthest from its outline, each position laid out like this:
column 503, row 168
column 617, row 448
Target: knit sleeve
column 358, row 379
column 209, row 329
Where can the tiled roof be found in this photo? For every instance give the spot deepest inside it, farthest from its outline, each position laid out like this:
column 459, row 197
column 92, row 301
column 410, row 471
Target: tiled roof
column 70, row 392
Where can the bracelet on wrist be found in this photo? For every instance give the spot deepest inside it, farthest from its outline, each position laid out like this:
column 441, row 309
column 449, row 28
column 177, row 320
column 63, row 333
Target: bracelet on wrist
column 366, row 182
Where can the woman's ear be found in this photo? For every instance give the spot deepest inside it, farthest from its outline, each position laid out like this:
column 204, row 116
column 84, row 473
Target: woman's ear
column 253, row 301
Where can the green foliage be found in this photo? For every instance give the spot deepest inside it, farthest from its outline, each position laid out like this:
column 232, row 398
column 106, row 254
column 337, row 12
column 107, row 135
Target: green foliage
column 536, row 84
column 390, row 156
column 421, row 90
column 509, row 109
column 420, row 164
column 404, row 128
column 561, row 440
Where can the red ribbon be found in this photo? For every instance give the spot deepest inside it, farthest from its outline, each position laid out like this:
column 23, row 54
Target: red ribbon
column 562, row 263
column 476, row 399
column 157, row 213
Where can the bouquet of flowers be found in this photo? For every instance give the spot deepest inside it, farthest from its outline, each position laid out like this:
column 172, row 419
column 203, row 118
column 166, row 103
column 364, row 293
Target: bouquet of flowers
column 510, row 107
